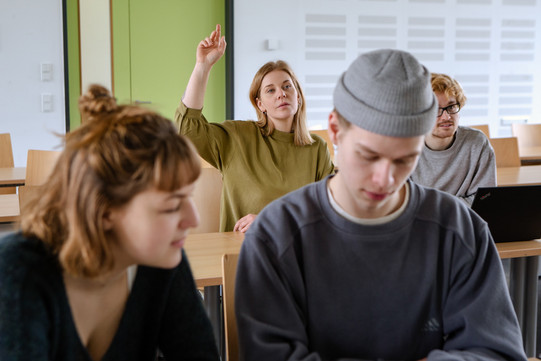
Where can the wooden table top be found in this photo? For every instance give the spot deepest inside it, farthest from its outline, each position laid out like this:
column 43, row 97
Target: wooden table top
column 513, row 176
column 519, row 249
column 205, row 251
column 12, row 176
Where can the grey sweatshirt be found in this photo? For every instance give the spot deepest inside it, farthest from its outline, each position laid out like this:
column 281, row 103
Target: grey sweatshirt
column 312, row 285
column 468, row 164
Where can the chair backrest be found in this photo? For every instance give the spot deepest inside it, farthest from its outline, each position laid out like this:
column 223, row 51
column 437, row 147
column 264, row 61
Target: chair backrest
column 207, row 195
column 482, row 127
column 229, row 273
column 6, row 159
column 39, row 165
column 528, row 135
column 6, row 151
column 323, row 133
column 506, row 151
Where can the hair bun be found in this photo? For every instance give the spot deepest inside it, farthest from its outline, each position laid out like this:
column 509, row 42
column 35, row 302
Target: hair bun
column 96, row 100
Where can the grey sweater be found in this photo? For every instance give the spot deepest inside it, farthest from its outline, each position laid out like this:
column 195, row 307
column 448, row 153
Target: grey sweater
column 468, row 164
column 163, row 310
column 312, row 285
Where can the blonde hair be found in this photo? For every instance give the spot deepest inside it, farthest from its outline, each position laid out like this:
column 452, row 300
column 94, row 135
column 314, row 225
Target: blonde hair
column 442, row 83
column 117, row 153
column 300, row 129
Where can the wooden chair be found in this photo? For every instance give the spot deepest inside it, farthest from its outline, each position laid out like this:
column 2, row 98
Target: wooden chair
column 229, row 273
column 323, row 133
column 482, row 127
column 207, row 195
column 528, row 135
column 9, row 208
column 39, row 165
column 506, row 151
column 6, row 159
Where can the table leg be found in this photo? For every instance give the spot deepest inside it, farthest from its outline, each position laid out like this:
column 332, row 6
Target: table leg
column 530, row 306
column 516, row 287
column 213, row 305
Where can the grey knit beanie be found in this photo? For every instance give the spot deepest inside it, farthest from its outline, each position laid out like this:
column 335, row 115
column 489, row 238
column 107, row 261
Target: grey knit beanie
column 387, row 92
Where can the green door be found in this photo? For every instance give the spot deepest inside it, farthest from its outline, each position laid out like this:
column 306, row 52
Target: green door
column 154, row 45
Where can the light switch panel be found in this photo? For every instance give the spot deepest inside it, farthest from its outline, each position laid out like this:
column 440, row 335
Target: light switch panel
column 46, row 102
column 46, row 71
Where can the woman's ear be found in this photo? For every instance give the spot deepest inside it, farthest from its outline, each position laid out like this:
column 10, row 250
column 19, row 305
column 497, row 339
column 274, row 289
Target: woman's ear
column 260, row 106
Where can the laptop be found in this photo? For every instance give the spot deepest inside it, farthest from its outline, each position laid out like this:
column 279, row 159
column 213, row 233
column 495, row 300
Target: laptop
column 512, row 213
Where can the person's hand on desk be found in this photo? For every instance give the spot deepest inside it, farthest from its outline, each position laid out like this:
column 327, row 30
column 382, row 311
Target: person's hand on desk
column 244, row 223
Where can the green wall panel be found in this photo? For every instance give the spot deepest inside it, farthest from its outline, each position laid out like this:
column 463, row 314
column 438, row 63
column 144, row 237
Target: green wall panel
column 74, row 74
column 154, row 46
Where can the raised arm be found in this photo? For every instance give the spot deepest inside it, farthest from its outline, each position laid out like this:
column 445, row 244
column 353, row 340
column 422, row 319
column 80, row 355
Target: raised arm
column 209, row 51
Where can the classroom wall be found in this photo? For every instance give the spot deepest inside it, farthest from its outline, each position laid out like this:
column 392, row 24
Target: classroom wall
column 95, row 37
column 31, row 34
column 493, row 47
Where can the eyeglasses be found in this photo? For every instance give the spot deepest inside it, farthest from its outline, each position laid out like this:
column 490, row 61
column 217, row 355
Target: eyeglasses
column 450, row 109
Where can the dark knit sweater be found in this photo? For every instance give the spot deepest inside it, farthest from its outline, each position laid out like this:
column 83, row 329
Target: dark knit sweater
column 163, row 311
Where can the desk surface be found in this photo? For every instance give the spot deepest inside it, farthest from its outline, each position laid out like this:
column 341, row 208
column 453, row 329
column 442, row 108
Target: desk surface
column 519, row 249
column 513, row 176
column 205, row 252
column 12, row 176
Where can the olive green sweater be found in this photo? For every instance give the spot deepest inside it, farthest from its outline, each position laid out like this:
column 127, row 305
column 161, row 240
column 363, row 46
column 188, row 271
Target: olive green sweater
column 255, row 169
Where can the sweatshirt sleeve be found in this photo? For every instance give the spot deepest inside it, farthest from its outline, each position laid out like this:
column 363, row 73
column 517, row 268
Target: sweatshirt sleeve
column 485, row 171
column 210, row 139
column 479, row 321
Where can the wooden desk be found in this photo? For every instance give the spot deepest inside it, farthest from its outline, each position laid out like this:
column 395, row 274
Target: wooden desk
column 9, row 207
column 513, row 176
column 12, row 177
column 523, row 286
column 519, row 249
column 205, row 252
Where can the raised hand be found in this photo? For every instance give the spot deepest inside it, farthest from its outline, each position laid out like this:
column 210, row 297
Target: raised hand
column 212, row 48
column 209, row 51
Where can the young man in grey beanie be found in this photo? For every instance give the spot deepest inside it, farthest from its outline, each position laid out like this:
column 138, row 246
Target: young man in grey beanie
column 367, row 265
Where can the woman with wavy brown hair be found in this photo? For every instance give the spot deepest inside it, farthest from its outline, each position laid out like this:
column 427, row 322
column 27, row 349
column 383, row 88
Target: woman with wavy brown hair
column 259, row 160
column 97, row 271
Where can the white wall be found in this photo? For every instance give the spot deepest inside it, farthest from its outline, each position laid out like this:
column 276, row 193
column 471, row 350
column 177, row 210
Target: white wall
column 493, row 47
column 95, row 36
column 31, row 34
